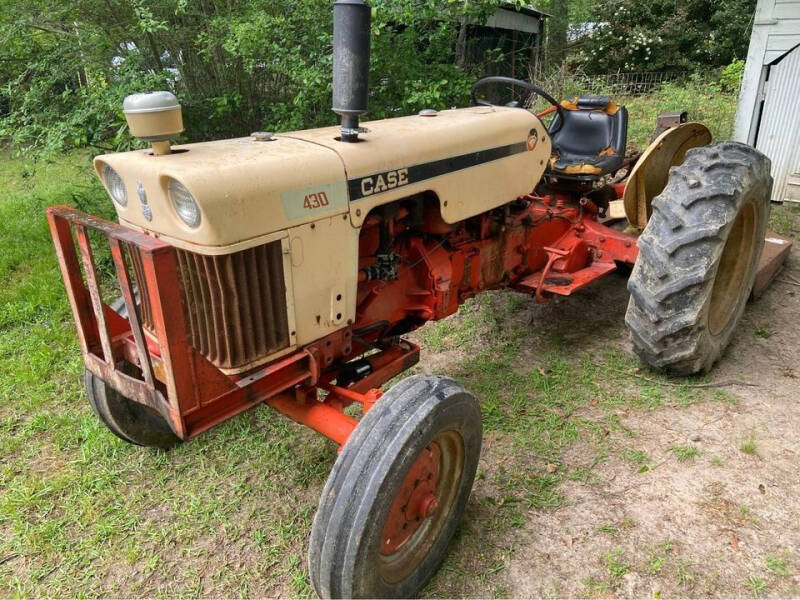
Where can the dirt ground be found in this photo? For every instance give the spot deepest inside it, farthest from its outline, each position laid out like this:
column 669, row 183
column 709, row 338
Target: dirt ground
column 712, row 511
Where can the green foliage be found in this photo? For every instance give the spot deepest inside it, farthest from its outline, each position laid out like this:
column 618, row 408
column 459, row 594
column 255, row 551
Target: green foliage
column 778, row 565
column 731, row 77
column 242, row 65
column 684, row 452
column 665, row 35
column 236, row 66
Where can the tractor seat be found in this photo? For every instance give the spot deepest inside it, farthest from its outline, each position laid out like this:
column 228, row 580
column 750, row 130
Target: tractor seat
column 591, row 141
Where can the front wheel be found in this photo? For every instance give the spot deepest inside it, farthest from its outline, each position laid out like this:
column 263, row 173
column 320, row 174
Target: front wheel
column 130, row 421
column 698, row 257
column 397, row 492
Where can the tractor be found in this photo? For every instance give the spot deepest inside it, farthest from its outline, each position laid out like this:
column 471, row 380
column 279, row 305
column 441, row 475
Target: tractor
column 284, row 269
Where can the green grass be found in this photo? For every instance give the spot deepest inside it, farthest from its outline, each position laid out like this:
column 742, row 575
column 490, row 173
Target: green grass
column 704, row 102
column 757, row 585
column 79, row 507
column 785, row 220
column 763, row 332
column 779, row 565
column 616, row 564
column 684, row 452
column 748, row 447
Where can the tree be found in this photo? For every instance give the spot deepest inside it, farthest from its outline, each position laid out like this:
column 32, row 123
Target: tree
column 236, row 65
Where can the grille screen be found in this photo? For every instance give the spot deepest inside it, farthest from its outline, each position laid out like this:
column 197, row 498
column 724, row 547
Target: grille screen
column 236, row 304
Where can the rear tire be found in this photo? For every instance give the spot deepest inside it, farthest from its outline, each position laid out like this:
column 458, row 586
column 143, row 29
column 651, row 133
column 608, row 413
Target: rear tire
column 397, row 492
column 698, row 257
column 128, row 420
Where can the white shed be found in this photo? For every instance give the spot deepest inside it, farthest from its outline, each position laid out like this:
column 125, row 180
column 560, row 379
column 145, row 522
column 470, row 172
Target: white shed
column 768, row 116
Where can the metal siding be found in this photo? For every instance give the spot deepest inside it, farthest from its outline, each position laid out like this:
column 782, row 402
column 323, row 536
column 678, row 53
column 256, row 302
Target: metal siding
column 780, row 122
column 779, row 44
column 514, row 21
column 776, row 29
column 786, row 9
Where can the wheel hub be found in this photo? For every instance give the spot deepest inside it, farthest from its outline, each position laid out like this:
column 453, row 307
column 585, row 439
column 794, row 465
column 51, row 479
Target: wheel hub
column 415, row 502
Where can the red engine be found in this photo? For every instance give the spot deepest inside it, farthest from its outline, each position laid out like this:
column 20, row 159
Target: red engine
column 414, row 267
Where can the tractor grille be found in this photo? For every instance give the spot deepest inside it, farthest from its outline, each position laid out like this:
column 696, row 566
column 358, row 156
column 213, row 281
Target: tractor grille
column 235, row 303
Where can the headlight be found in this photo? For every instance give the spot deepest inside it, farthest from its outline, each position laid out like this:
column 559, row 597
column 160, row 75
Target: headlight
column 184, row 204
column 115, row 186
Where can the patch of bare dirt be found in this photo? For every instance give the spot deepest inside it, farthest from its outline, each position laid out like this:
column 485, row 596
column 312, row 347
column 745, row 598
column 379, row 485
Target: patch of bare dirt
column 725, row 522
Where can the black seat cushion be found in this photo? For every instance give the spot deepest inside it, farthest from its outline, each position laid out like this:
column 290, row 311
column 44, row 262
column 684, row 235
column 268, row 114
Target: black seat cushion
column 591, row 141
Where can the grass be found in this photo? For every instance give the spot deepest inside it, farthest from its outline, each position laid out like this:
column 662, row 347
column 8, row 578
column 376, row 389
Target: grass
column 616, row 564
column 757, row 585
column 614, row 529
column 779, row 565
column 749, row 446
column 763, row 332
column 228, row 514
column 685, row 575
column 684, row 452
column 704, row 102
column 785, row 220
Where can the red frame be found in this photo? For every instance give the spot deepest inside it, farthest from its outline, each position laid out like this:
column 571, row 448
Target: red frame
column 550, row 246
column 177, row 382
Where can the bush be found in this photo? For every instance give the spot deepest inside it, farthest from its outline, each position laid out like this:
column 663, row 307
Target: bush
column 731, row 78
column 666, row 35
column 236, row 67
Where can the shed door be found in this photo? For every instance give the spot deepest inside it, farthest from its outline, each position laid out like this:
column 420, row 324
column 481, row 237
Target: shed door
column 779, row 128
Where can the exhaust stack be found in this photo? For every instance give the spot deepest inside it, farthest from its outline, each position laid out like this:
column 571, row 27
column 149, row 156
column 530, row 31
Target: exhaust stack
column 351, row 39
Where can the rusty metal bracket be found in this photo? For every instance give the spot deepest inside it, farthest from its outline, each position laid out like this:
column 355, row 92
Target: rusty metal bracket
column 553, row 254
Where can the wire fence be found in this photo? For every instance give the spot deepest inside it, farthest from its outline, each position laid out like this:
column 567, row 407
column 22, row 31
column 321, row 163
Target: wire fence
column 565, row 84
column 630, row 84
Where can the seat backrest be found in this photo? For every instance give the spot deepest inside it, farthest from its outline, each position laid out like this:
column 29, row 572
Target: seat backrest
column 591, row 125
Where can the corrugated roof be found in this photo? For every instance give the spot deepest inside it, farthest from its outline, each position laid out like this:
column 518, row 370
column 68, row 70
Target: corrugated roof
column 526, row 9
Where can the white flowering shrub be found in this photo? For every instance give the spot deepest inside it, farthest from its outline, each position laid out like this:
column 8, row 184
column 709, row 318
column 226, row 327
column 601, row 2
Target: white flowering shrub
column 665, row 35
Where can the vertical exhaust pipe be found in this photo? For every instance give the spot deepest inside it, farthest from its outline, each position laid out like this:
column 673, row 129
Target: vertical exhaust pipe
column 351, row 33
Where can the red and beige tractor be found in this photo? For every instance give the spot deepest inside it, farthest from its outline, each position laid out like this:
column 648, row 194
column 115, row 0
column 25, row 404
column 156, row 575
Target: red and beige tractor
column 285, row 269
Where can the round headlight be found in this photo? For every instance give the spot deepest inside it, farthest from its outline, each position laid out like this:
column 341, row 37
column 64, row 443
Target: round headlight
column 115, row 186
column 185, row 205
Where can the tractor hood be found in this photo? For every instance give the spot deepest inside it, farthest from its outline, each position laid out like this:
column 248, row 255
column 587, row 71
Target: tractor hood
column 250, row 190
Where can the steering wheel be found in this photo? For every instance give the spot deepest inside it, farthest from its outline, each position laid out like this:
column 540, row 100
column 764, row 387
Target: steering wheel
column 556, row 107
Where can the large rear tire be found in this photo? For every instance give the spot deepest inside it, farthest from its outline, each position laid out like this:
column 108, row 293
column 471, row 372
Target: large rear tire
column 698, row 257
column 397, row 492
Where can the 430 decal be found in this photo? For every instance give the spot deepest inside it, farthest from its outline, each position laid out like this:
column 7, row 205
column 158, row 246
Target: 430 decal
column 315, row 200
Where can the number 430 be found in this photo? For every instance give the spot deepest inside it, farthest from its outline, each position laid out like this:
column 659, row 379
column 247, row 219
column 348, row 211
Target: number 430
column 312, row 201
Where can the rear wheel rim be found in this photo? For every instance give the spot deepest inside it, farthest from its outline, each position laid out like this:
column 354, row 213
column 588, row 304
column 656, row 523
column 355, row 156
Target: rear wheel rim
column 734, row 265
column 423, row 508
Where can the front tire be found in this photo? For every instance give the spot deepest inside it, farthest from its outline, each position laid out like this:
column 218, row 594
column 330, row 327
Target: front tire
column 397, row 492
column 128, row 420
column 698, row 257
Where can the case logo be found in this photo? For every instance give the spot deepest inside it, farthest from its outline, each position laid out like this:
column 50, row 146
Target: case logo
column 375, row 184
column 533, row 139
